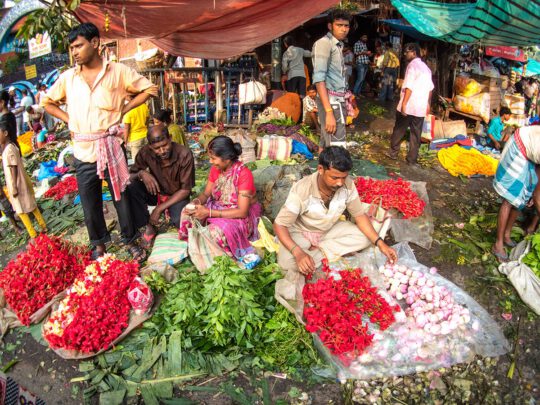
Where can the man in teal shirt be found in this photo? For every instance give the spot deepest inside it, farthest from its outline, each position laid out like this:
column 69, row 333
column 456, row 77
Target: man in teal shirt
column 496, row 127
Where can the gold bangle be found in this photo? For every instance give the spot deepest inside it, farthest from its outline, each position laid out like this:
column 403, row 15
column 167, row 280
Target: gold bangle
column 329, row 109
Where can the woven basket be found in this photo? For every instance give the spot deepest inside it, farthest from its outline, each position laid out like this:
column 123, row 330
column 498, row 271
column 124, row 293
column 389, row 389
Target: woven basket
column 150, row 59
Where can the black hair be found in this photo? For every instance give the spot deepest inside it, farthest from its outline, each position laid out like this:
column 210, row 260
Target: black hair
column 163, row 116
column 289, row 40
column 412, row 46
column 8, row 123
column 25, row 92
column 29, row 109
column 86, row 30
column 4, row 96
column 505, row 110
column 338, row 14
column 224, row 148
column 336, row 157
column 157, row 133
column 312, row 87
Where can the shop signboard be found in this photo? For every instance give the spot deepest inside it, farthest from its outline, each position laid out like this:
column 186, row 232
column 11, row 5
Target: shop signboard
column 39, row 45
column 30, row 72
column 507, row 52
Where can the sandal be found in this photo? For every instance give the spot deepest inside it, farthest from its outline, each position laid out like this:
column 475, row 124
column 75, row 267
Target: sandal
column 96, row 254
column 138, row 254
column 502, row 258
column 147, row 240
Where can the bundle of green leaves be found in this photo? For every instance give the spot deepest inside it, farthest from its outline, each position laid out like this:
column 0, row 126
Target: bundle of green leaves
column 532, row 259
column 227, row 306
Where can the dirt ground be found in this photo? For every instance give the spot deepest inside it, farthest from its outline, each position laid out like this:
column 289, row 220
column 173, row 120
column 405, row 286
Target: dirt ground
column 452, row 199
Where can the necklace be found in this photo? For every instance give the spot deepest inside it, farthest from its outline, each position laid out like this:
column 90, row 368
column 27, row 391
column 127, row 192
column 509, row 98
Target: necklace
column 328, row 196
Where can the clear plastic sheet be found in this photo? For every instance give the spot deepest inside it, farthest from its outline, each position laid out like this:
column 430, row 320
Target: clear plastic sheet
column 416, row 230
column 405, row 348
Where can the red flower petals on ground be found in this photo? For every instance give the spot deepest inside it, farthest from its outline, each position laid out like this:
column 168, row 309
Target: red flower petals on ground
column 96, row 309
column 62, row 188
column 47, row 267
column 395, row 193
column 338, row 310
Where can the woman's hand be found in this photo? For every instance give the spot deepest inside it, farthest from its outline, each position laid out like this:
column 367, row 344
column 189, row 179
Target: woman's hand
column 200, row 212
column 390, row 253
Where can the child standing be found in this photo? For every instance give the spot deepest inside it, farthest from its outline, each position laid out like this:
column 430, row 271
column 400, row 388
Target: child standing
column 7, row 209
column 18, row 184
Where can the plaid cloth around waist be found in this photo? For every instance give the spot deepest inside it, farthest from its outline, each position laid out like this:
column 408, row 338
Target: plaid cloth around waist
column 110, row 155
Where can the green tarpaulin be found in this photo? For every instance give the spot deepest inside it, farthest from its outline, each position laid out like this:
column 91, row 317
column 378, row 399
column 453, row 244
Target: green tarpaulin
column 487, row 22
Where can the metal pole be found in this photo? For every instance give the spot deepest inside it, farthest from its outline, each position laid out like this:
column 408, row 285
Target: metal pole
column 219, row 95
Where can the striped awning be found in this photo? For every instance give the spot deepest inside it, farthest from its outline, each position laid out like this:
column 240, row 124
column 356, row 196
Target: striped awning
column 486, row 22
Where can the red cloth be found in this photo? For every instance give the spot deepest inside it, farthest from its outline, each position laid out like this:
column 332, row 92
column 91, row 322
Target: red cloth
column 245, row 180
column 203, row 28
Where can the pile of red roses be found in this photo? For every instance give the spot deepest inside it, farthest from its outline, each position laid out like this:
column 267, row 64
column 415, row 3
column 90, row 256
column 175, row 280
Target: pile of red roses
column 334, row 308
column 395, row 193
column 34, row 277
column 62, row 188
column 96, row 309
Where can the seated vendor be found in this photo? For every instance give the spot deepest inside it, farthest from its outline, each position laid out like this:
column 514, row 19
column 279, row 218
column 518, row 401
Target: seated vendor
column 162, row 176
column 309, row 225
column 228, row 204
column 310, row 113
column 496, row 138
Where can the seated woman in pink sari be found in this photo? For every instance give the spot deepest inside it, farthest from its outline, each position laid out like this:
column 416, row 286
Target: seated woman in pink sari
column 228, row 204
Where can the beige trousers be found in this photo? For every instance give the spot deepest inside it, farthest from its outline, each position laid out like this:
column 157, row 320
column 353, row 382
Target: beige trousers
column 136, row 146
column 343, row 238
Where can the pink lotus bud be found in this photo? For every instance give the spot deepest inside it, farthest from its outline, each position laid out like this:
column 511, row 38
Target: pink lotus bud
column 421, row 281
column 433, row 270
column 403, row 288
column 430, row 283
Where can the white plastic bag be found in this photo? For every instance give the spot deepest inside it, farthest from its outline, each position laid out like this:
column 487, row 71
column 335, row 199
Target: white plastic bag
column 522, row 277
column 428, row 127
column 252, row 92
column 407, row 348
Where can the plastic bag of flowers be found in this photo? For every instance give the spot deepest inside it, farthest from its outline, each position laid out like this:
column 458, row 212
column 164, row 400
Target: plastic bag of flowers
column 439, row 325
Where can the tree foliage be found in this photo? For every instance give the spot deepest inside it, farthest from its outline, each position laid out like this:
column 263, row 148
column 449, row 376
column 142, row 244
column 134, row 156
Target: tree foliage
column 57, row 19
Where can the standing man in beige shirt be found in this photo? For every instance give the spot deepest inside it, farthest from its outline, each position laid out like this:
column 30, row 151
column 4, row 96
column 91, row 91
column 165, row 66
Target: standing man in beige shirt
column 95, row 92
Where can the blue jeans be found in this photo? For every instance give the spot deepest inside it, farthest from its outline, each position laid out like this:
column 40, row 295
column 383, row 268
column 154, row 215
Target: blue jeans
column 361, row 71
column 387, row 90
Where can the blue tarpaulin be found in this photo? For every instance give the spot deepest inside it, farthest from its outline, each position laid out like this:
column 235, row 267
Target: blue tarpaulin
column 486, row 22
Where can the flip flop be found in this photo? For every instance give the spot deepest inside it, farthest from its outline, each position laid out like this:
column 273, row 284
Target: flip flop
column 502, row 258
column 511, row 243
column 147, row 240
